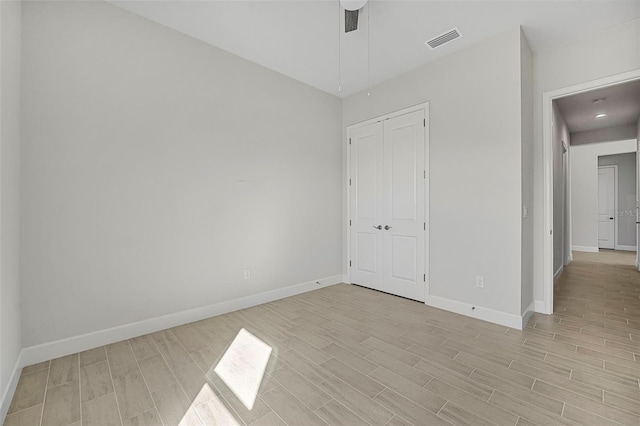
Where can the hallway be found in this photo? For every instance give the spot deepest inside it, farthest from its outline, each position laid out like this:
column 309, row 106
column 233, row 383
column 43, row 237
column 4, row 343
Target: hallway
column 597, row 312
column 601, row 288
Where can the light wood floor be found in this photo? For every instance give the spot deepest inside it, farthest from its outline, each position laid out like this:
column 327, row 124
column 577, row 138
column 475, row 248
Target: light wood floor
column 352, row 356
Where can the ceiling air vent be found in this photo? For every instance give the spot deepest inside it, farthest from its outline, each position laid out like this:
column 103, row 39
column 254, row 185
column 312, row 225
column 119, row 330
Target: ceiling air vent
column 444, row 38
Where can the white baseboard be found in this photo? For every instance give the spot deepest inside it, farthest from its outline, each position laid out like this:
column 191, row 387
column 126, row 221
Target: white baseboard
column 558, row 272
column 58, row 348
column 585, row 248
column 626, row 248
column 540, row 306
column 345, row 279
column 528, row 312
column 486, row 314
column 7, row 394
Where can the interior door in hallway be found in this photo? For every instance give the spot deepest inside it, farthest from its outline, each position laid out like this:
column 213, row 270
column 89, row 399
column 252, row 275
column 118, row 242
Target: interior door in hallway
column 606, row 207
column 388, row 229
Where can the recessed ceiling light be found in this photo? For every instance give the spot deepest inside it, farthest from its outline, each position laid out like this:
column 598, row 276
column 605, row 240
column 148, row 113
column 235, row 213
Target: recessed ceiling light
column 601, row 115
column 597, row 101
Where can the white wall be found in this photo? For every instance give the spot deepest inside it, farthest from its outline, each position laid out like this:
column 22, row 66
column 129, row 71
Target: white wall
column 157, row 167
column 526, row 72
column 475, row 136
column 626, row 213
column 605, row 53
column 10, row 338
column 584, row 189
column 560, row 134
column 616, row 133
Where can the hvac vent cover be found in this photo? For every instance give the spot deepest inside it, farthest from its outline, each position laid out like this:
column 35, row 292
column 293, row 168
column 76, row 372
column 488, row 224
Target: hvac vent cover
column 444, row 38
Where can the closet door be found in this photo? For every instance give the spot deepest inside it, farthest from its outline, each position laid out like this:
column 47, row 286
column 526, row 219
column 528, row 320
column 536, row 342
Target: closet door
column 404, row 206
column 387, row 205
column 366, row 188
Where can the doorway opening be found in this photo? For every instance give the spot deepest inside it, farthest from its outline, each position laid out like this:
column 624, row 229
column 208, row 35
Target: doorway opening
column 604, row 120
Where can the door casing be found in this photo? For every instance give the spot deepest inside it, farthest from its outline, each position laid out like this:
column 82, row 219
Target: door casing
column 545, row 267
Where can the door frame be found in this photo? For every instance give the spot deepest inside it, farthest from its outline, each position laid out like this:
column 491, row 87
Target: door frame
column 547, row 173
column 615, row 205
column 420, row 107
column 567, row 255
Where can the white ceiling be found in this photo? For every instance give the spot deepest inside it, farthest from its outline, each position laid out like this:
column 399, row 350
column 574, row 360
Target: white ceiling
column 621, row 104
column 300, row 38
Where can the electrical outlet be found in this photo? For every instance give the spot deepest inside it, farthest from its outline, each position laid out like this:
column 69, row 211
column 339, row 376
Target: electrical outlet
column 480, row 282
column 247, row 274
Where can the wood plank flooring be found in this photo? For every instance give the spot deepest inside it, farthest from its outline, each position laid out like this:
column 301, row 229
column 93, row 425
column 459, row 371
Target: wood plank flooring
column 345, row 355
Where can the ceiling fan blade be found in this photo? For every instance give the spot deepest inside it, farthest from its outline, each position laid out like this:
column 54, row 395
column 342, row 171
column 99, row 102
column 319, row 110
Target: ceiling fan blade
column 350, row 20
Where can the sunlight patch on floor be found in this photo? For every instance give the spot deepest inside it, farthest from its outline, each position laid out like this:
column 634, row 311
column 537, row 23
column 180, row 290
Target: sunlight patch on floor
column 243, row 365
column 214, row 411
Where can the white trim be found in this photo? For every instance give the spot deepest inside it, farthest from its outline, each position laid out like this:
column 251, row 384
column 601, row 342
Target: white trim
column 526, row 315
column 558, row 272
column 588, row 249
column 626, row 248
column 58, row 348
column 547, row 170
column 427, row 191
column 423, row 106
column 347, row 253
column 568, row 232
column 540, row 306
column 10, row 390
column 420, row 107
column 478, row 312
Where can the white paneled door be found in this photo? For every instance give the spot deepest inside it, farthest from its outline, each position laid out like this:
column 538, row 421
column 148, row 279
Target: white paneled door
column 606, row 207
column 366, row 205
column 387, row 205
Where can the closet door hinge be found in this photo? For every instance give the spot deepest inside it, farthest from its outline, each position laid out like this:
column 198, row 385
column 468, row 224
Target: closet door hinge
column 424, row 278
column 349, row 182
column 424, row 174
column 425, row 225
column 349, row 222
column 424, row 122
column 349, row 141
column 349, row 263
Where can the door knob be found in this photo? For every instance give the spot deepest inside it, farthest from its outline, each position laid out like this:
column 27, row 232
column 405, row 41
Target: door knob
column 379, row 227
column 387, row 227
